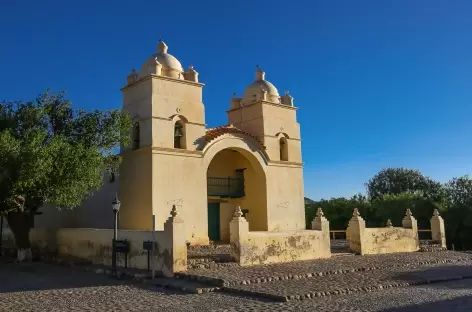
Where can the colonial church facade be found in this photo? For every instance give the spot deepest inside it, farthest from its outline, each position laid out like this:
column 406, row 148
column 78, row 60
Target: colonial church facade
column 254, row 161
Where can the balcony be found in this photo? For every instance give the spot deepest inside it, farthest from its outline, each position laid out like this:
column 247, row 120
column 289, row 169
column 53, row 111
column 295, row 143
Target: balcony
column 230, row 187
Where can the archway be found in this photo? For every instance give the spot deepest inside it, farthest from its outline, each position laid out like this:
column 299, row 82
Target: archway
column 235, row 176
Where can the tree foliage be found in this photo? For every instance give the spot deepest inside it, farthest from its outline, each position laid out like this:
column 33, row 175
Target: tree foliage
column 337, row 210
column 459, row 212
column 393, row 190
column 51, row 153
column 396, row 181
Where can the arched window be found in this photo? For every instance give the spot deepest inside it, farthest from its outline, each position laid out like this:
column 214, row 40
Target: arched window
column 283, row 149
column 179, row 135
column 136, row 136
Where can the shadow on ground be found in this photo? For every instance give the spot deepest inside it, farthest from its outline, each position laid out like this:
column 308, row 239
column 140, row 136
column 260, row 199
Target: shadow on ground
column 16, row 277
column 463, row 303
column 437, row 274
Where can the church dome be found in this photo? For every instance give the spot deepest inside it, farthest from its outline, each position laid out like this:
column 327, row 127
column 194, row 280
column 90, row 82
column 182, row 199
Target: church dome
column 253, row 91
column 170, row 65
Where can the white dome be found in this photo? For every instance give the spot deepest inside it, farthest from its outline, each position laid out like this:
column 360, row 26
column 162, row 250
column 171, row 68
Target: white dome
column 254, row 89
column 171, row 66
column 257, row 85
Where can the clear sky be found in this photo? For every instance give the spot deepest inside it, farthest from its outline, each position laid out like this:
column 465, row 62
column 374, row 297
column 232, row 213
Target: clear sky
column 378, row 83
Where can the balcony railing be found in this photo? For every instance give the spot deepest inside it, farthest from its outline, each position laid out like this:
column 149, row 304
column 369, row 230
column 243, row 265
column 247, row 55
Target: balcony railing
column 232, row 187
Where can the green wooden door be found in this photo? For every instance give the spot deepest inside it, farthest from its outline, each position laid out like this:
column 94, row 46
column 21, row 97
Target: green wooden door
column 214, row 221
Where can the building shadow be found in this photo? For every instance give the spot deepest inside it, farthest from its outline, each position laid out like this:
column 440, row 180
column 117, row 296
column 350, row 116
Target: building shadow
column 440, row 279
column 463, row 303
column 437, row 276
column 38, row 276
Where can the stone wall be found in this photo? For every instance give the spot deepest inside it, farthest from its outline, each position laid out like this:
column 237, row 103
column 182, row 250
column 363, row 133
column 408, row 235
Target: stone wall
column 252, row 248
column 390, row 239
column 95, row 245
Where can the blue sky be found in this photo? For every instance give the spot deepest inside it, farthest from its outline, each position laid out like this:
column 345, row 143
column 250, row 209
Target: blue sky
column 378, row 83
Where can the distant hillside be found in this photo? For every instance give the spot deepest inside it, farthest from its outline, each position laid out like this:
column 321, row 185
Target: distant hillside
column 309, row 201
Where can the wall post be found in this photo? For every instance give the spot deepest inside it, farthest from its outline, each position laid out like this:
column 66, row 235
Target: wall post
column 409, row 222
column 238, row 235
column 355, row 232
column 438, row 232
column 175, row 249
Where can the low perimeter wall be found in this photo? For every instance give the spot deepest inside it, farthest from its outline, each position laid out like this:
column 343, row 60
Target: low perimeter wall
column 252, row 248
column 95, row 245
column 390, row 239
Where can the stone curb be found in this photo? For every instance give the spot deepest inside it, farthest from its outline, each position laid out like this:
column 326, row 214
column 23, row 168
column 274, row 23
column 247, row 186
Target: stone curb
column 189, row 290
column 343, row 291
column 222, row 283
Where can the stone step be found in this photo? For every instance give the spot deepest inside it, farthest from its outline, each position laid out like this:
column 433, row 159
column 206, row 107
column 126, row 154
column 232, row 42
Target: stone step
column 208, row 251
column 211, row 265
column 206, row 280
column 342, row 254
column 185, row 285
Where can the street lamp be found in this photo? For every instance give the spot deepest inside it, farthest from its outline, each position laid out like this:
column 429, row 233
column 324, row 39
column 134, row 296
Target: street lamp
column 116, row 209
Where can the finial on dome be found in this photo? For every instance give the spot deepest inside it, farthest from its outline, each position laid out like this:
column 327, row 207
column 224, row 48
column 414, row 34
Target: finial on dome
column 260, row 75
column 162, row 47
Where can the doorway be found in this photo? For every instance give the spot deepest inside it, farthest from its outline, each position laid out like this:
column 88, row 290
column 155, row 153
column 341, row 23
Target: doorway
column 214, row 222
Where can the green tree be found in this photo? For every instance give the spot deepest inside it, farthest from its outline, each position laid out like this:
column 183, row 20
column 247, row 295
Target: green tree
column 337, row 210
column 395, row 181
column 393, row 207
column 458, row 217
column 51, row 153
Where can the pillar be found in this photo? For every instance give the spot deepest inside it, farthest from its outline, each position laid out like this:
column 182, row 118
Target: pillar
column 355, row 232
column 238, row 234
column 409, row 222
column 320, row 223
column 438, row 232
column 175, row 248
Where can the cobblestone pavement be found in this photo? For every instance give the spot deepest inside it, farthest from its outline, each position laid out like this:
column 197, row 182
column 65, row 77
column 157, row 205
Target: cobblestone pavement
column 40, row 287
column 254, row 274
column 353, row 282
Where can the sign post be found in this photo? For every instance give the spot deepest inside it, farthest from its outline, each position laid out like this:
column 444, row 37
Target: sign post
column 153, row 246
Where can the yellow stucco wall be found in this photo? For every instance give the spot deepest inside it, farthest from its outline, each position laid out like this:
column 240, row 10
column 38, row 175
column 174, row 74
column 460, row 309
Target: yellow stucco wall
column 181, row 180
column 136, row 190
column 389, row 240
column 226, row 214
column 275, row 247
column 286, row 203
column 95, row 245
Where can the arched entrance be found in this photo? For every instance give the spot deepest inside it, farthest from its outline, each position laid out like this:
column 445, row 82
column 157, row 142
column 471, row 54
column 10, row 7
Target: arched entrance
column 235, row 176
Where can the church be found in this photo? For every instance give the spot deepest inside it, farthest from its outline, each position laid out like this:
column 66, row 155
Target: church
column 252, row 161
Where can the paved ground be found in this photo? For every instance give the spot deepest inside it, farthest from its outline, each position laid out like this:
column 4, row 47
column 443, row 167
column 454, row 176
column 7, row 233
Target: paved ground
column 42, row 287
column 254, row 274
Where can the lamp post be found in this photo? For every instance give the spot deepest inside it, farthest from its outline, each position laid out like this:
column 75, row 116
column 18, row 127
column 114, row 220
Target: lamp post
column 116, row 209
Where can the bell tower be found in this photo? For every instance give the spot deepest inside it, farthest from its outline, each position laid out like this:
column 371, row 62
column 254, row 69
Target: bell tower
column 264, row 113
column 272, row 118
column 165, row 104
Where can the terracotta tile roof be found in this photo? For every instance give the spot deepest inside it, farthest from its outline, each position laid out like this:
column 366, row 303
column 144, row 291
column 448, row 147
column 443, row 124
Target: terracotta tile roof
column 213, row 133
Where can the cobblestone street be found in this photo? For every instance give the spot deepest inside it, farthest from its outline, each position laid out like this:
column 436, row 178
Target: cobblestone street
column 43, row 287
